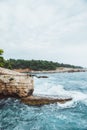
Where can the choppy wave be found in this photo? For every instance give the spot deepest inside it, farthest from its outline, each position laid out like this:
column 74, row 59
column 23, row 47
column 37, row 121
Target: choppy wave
column 60, row 92
column 72, row 115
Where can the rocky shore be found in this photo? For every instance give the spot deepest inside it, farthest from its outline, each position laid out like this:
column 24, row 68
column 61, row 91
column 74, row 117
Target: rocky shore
column 19, row 85
column 61, row 70
column 58, row 70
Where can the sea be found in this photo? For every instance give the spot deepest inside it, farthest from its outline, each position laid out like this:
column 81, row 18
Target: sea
column 72, row 115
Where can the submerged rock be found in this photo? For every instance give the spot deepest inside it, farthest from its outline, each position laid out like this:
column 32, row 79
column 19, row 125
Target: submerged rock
column 42, row 76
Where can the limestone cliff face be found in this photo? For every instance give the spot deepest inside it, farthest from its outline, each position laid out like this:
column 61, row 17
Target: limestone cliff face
column 15, row 84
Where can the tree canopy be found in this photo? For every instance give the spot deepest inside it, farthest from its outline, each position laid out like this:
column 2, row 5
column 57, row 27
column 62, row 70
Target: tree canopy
column 1, row 51
column 1, row 58
column 37, row 65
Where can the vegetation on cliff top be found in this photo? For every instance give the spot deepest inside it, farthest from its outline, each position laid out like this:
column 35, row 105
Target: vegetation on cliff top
column 1, row 58
column 37, row 65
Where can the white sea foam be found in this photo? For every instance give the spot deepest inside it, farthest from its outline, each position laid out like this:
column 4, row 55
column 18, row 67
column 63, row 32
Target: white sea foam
column 60, row 92
column 48, row 89
column 67, row 104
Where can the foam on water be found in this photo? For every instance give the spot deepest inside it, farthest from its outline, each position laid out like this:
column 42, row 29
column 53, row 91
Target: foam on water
column 72, row 115
column 59, row 92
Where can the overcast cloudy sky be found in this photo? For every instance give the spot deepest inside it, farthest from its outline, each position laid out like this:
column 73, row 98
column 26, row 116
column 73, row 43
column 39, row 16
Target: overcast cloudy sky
column 44, row 29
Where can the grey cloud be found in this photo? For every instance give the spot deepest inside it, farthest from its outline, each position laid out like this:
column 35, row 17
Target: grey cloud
column 45, row 29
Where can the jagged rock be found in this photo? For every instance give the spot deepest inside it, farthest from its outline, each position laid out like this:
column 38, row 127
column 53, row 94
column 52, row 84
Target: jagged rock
column 15, row 84
column 42, row 76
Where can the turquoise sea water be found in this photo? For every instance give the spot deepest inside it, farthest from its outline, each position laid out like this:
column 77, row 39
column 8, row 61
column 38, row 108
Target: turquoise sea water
column 72, row 115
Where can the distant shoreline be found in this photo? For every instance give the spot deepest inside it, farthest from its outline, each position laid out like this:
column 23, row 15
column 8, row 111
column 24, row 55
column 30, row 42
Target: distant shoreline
column 58, row 70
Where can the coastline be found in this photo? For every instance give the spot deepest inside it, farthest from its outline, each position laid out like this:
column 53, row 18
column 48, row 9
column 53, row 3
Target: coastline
column 58, row 70
column 21, row 86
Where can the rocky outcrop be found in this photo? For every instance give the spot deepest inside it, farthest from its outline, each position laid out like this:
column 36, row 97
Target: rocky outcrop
column 19, row 85
column 15, row 84
column 39, row 101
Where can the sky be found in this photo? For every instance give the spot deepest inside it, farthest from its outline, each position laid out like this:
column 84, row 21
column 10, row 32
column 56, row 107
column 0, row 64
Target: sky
column 54, row 30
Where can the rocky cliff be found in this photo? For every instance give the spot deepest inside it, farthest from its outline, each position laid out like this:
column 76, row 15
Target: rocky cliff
column 15, row 84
